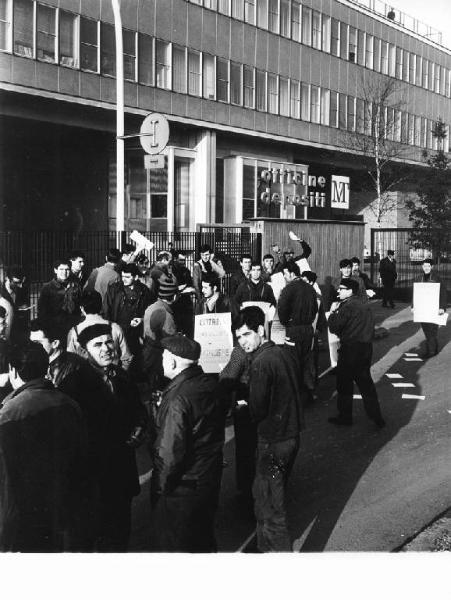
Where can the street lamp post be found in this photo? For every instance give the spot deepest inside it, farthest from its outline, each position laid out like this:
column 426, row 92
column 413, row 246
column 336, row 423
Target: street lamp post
column 120, row 142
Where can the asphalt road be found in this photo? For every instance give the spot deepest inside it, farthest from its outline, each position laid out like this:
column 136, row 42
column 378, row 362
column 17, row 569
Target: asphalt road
column 357, row 488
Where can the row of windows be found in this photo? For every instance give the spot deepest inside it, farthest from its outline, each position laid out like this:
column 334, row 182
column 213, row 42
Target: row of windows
column 291, row 19
column 89, row 45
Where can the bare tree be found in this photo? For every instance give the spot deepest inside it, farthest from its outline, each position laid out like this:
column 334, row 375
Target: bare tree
column 380, row 135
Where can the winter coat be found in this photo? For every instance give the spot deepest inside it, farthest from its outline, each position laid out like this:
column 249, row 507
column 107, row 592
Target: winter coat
column 42, row 460
column 274, row 394
column 353, row 321
column 297, row 308
column 61, row 302
column 251, row 292
column 100, row 279
column 200, row 268
column 387, row 270
column 189, row 436
column 222, row 305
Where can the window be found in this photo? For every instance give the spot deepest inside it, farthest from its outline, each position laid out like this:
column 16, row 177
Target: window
column 249, row 86
column 351, row 114
column 305, row 102
column 342, row 111
column 285, row 18
column 249, row 11
column 163, row 64
column 316, row 30
column 208, row 76
column 325, row 106
column 360, row 115
column 129, row 50
column 404, row 128
column 68, row 42
column 411, row 129
column 178, row 69
column 369, row 51
column 238, row 9
column 368, row 118
column 235, row 83
column 224, row 7
column 249, row 189
column 145, row 59
column 260, row 90
column 425, row 73
column 315, row 112
column 284, row 97
column 222, row 79
column 431, row 76
column 273, row 94
column 344, row 41
column 5, row 25
column 423, row 133
column 262, row 14
column 397, row 126
column 405, row 65
column 306, row 26
column 437, row 79
column 392, row 60
column 418, row 70
column 213, row 4
column 333, row 109
column 390, row 123
column 88, row 45
column 295, row 99
column 352, row 54
column 273, row 13
column 443, row 81
column 107, row 50
column 335, row 38
column 361, row 48
column 377, row 54
column 296, row 20
column 326, row 33
column 194, row 77
column 384, row 58
column 398, row 63
column 412, row 66
column 46, row 33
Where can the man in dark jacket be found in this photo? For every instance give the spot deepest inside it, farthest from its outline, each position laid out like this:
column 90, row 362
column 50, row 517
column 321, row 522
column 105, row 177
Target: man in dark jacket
column 125, row 303
column 15, row 292
column 274, row 403
column 127, row 423
column 352, row 321
column 242, row 275
column 213, row 301
column 388, row 273
column 430, row 330
column 42, row 457
column 187, row 453
column 254, row 289
column 60, row 298
column 297, row 309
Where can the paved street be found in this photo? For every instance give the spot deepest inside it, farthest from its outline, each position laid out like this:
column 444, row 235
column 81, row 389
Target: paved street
column 357, row 489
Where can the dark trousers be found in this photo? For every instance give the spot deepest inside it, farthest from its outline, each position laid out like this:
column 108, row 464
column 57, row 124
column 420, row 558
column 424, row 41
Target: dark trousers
column 183, row 521
column 115, row 526
column 430, row 331
column 245, row 447
column 354, row 362
column 388, row 292
column 274, row 463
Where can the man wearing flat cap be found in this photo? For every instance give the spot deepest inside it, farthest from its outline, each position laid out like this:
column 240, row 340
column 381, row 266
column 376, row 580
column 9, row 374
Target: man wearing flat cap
column 352, row 321
column 127, row 422
column 187, row 452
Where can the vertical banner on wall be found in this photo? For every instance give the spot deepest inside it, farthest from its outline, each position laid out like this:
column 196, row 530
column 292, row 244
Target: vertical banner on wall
column 214, row 334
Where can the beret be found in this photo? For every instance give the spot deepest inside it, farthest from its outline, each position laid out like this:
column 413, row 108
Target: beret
column 93, row 331
column 182, row 346
column 350, row 284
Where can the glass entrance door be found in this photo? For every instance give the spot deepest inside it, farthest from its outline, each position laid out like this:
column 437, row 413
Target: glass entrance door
column 182, row 193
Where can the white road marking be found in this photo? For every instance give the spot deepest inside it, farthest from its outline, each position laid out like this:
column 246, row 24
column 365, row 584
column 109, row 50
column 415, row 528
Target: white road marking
column 410, row 353
column 394, row 376
column 401, row 385
column 413, row 359
column 357, row 396
column 412, row 397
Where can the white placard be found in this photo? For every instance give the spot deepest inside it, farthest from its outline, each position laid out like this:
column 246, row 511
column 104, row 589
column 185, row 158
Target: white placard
column 334, row 345
column 140, row 240
column 426, row 299
column 303, row 265
column 278, row 332
column 214, row 333
column 277, row 282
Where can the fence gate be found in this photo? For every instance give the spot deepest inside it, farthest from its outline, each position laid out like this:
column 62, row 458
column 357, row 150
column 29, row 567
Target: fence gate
column 408, row 259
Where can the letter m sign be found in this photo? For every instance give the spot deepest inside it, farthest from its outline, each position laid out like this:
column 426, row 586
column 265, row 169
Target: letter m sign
column 339, row 192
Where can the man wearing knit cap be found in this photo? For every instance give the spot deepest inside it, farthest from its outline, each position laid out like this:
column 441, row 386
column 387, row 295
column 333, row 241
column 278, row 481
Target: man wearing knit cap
column 127, row 423
column 352, row 321
column 187, row 452
column 159, row 322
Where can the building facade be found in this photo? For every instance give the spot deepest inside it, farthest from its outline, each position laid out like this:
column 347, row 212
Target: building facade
column 262, row 97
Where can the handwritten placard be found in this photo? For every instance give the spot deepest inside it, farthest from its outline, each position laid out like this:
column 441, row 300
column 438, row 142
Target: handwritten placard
column 214, row 334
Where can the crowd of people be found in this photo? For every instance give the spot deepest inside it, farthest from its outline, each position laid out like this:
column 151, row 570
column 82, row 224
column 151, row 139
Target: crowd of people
column 111, row 363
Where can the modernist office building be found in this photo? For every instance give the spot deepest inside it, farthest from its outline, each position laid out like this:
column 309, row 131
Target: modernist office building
column 259, row 95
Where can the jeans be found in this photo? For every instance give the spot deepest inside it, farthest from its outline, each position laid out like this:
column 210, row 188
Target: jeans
column 274, row 463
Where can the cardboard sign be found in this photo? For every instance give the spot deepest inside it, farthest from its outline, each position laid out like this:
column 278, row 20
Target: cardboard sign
column 426, row 302
column 334, row 345
column 277, row 283
column 214, row 333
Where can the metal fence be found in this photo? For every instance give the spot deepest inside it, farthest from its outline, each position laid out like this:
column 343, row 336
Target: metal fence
column 408, row 259
column 36, row 251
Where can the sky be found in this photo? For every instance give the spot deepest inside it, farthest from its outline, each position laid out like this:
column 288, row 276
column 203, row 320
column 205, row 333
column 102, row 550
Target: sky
column 436, row 13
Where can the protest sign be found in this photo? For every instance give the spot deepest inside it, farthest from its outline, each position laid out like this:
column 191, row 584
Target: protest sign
column 426, row 298
column 214, row 334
